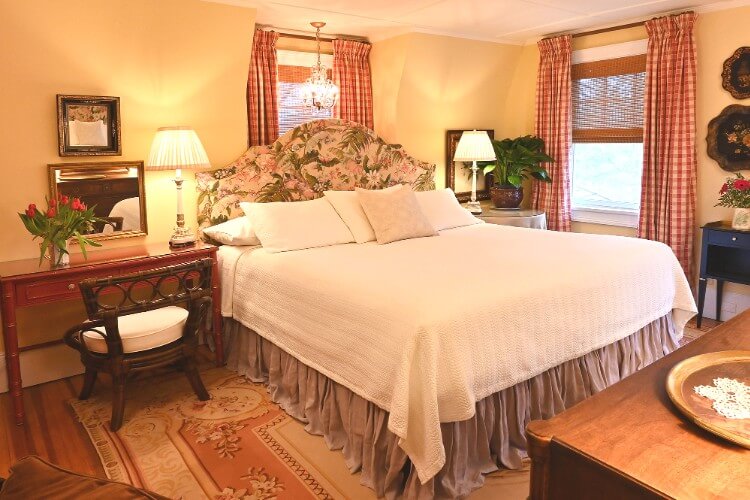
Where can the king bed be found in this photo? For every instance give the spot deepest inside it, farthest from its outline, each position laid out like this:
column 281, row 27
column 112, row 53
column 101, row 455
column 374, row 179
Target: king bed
column 423, row 359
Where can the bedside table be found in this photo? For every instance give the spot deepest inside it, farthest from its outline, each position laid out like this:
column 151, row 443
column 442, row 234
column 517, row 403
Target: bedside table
column 725, row 256
column 535, row 219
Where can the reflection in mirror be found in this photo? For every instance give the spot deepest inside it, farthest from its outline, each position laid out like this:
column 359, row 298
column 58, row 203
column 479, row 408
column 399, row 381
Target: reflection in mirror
column 114, row 189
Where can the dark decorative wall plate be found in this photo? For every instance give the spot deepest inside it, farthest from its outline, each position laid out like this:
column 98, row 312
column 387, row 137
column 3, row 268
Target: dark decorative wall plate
column 729, row 138
column 736, row 75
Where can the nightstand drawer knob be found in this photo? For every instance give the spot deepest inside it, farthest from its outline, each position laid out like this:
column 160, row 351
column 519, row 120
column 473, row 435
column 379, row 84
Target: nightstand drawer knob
column 72, row 286
column 734, row 238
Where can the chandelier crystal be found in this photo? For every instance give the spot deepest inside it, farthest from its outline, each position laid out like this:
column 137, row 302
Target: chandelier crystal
column 319, row 92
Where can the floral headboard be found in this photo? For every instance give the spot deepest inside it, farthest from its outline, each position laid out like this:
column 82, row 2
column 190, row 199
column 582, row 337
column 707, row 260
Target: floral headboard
column 300, row 165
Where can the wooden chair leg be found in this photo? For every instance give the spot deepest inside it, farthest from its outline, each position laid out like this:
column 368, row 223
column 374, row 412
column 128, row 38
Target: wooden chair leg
column 118, row 403
column 194, row 377
column 89, row 379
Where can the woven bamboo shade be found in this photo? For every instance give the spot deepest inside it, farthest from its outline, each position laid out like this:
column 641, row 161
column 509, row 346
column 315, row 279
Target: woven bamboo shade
column 608, row 100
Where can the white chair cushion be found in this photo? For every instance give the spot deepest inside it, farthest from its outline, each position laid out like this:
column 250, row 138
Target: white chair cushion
column 145, row 330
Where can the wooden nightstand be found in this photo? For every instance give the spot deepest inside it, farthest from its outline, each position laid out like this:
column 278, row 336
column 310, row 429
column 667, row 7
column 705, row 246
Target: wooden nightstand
column 25, row 283
column 535, row 219
column 725, row 256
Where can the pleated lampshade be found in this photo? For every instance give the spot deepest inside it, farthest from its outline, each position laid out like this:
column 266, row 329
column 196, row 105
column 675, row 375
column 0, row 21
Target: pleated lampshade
column 176, row 148
column 474, row 145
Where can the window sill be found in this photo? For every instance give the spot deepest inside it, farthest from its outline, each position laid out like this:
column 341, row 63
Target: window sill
column 606, row 216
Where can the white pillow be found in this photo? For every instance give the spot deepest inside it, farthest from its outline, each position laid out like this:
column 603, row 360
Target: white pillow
column 350, row 210
column 237, row 231
column 395, row 215
column 283, row 226
column 443, row 210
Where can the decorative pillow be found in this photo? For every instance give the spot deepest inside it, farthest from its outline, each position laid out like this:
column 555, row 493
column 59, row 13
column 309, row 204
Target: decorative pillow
column 350, row 210
column 395, row 215
column 283, row 226
column 443, row 210
column 237, row 231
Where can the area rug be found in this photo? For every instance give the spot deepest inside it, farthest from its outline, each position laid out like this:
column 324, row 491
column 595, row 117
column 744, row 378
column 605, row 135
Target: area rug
column 238, row 445
column 233, row 446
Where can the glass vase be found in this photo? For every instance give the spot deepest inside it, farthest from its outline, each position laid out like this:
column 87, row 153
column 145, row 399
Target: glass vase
column 58, row 257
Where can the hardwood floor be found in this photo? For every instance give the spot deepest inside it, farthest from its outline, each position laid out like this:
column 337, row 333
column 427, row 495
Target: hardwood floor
column 52, row 430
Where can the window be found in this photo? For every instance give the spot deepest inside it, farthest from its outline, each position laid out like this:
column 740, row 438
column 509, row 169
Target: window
column 294, row 69
column 607, row 155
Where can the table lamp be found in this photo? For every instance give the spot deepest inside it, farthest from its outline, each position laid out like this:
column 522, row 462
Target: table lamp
column 474, row 146
column 177, row 148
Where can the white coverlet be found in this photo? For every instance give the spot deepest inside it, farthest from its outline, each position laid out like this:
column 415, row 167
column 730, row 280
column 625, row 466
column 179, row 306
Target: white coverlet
column 426, row 327
column 227, row 257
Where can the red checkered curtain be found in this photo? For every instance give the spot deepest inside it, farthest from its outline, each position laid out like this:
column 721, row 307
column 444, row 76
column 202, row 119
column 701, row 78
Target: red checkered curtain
column 262, row 105
column 351, row 72
column 668, row 184
column 554, row 125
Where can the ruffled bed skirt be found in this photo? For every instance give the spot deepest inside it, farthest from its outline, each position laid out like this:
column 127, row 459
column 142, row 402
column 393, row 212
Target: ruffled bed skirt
column 493, row 438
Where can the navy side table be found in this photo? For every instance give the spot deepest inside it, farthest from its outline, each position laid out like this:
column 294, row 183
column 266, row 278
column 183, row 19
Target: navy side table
column 725, row 256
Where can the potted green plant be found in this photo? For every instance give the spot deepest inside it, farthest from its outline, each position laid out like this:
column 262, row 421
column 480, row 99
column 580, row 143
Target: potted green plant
column 517, row 159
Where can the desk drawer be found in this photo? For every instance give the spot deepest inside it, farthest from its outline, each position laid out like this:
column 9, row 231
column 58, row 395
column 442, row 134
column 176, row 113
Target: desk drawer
column 42, row 292
column 729, row 239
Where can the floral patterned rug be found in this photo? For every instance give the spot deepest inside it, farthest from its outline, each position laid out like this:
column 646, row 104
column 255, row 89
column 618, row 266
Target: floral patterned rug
column 238, row 445
column 235, row 445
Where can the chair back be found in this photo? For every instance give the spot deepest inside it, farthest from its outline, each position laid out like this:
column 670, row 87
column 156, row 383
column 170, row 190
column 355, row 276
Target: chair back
column 147, row 290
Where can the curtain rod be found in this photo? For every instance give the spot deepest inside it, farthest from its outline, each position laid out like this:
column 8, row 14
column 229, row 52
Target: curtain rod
column 607, row 30
column 304, row 35
column 622, row 26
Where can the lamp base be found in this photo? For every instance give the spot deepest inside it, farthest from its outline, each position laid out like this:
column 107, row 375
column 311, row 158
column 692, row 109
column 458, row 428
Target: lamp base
column 474, row 207
column 181, row 237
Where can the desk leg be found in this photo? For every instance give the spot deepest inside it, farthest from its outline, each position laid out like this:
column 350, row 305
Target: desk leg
column 216, row 321
column 10, row 333
column 719, row 292
column 701, row 300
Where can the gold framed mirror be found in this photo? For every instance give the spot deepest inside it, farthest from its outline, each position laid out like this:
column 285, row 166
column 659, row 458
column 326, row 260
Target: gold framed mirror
column 116, row 190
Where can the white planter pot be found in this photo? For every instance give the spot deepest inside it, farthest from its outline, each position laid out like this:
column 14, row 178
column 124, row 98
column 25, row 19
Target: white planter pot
column 741, row 219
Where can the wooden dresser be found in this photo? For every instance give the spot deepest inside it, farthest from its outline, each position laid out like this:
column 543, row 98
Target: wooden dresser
column 26, row 283
column 630, row 442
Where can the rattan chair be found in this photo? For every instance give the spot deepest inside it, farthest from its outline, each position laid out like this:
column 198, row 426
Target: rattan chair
column 135, row 324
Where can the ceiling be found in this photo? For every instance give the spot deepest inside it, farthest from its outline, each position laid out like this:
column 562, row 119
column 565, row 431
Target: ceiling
column 503, row 21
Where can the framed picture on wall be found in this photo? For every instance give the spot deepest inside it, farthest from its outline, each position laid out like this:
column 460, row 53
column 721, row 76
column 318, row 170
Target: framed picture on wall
column 458, row 173
column 88, row 125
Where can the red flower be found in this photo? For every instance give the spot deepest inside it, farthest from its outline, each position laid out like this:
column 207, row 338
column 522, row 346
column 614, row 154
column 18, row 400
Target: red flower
column 31, row 211
column 724, row 188
column 742, row 184
column 51, row 212
column 82, row 207
column 64, row 200
column 76, row 204
column 53, row 202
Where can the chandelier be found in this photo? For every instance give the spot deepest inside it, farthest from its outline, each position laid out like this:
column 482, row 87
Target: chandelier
column 319, row 92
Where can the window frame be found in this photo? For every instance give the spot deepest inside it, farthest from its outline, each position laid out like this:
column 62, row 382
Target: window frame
column 300, row 59
column 610, row 216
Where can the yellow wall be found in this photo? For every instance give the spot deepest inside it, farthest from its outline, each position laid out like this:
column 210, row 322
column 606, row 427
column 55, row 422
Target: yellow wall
column 718, row 35
column 171, row 62
column 424, row 85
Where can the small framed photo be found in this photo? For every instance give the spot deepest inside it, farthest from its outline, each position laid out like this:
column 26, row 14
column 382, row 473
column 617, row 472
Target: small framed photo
column 458, row 174
column 88, row 125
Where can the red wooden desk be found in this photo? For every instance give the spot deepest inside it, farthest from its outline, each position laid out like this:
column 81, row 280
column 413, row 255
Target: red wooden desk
column 25, row 283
